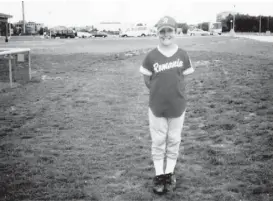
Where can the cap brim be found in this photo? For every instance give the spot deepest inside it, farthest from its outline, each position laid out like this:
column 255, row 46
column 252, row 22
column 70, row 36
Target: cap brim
column 163, row 27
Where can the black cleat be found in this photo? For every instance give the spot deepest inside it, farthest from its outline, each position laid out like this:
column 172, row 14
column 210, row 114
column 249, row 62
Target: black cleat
column 170, row 182
column 158, row 183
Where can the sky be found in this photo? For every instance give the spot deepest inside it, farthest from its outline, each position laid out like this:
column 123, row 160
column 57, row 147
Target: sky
column 91, row 12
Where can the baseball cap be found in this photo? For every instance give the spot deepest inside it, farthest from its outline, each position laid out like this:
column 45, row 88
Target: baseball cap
column 166, row 22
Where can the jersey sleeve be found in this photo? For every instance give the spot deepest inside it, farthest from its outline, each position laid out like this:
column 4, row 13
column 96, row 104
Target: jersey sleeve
column 187, row 65
column 146, row 67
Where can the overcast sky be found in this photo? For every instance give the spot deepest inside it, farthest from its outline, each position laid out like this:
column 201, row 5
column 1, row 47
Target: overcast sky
column 91, row 12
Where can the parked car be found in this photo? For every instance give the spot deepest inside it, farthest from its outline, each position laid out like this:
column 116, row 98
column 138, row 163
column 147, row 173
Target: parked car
column 215, row 28
column 63, row 34
column 100, row 34
column 82, row 34
column 198, row 32
column 137, row 31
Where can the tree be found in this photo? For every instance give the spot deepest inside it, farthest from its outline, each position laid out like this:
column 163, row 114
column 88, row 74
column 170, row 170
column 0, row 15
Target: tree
column 185, row 29
column 41, row 31
column 205, row 26
column 183, row 26
column 15, row 31
column 94, row 30
column 247, row 23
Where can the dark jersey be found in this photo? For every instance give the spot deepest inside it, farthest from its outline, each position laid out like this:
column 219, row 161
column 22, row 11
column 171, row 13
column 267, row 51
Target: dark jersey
column 167, row 87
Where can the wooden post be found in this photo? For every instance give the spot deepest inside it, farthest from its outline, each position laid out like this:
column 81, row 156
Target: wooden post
column 29, row 65
column 10, row 70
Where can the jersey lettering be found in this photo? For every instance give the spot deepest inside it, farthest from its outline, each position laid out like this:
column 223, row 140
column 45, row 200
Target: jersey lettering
column 161, row 67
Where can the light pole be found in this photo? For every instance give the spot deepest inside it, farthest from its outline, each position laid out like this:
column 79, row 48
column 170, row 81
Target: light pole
column 234, row 18
column 48, row 26
column 260, row 24
column 268, row 28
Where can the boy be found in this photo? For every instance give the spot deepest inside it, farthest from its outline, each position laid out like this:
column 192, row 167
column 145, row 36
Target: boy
column 164, row 68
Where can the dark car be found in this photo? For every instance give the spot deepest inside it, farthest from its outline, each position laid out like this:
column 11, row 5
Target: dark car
column 63, row 34
column 100, row 34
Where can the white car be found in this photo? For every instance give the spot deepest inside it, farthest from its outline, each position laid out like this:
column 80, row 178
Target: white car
column 140, row 31
column 216, row 32
column 198, row 32
column 81, row 34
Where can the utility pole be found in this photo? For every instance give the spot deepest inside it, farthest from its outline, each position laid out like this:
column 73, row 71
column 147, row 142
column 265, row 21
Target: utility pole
column 234, row 19
column 23, row 12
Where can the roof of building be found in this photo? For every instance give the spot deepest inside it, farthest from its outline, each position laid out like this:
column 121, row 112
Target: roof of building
column 2, row 15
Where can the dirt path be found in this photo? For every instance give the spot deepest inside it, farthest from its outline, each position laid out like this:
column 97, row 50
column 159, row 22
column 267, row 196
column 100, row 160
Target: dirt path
column 84, row 135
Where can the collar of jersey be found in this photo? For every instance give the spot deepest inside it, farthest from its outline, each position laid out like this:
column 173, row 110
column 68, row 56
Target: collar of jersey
column 164, row 53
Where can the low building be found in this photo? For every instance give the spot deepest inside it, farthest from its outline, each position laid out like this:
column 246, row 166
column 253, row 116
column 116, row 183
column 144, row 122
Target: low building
column 31, row 27
column 4, row 25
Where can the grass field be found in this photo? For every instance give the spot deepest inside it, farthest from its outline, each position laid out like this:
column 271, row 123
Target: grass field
column 79, row 130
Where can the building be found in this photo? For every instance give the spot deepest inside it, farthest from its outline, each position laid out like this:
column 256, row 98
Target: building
column 39, row 26
column 31, row 27
column 4, row 25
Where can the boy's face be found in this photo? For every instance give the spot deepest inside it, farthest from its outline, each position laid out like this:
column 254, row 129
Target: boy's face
column 166, row 36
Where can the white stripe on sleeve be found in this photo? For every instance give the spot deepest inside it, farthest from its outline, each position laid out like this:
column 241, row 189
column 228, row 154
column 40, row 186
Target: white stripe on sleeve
column 189, row 70
column 145, row 71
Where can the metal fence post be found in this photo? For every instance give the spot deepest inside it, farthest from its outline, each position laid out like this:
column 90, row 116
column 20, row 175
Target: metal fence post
column 10, row 70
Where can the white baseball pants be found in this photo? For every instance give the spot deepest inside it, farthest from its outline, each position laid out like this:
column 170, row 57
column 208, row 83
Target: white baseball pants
column 166, row 136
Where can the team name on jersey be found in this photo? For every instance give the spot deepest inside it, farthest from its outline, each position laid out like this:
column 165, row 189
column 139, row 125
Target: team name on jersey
column 161, row 67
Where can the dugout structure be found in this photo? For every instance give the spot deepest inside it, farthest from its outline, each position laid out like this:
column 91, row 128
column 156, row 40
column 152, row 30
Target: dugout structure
column 4, row 25
column 15, row 66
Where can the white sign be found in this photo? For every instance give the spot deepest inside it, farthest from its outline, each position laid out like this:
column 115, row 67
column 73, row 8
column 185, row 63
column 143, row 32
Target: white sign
column 20, row 57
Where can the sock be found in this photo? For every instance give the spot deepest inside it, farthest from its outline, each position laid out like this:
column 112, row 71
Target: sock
column 159, row 167
column 170, row 165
